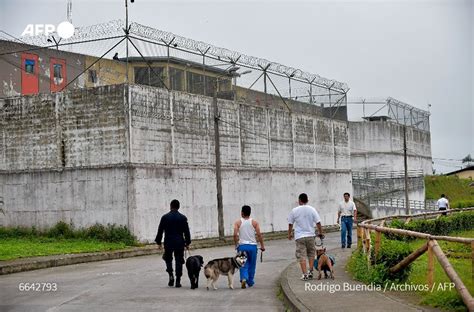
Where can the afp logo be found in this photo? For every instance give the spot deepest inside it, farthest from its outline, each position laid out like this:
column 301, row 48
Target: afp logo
column 64, row 30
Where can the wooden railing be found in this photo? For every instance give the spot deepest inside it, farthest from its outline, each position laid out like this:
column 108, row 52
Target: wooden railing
column 365, row 228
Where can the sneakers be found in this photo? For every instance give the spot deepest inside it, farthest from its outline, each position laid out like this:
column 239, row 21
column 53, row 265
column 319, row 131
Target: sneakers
column 308, row 276
column 244, row 284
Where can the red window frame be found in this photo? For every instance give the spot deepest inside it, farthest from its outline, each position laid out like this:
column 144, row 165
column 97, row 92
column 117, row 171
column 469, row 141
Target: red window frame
column 29, row 81
column 57, row 84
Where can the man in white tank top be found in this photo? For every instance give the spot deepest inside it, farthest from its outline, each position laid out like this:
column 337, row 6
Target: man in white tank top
column 246, row 234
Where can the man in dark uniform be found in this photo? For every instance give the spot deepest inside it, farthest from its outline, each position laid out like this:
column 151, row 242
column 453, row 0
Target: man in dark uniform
column 177, row 237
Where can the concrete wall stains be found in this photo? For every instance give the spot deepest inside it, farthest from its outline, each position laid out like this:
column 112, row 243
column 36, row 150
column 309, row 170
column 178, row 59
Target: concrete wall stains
column 86, row 126
column 120, row 153
column 104, row 72
column 378, row 146
column 84, row 197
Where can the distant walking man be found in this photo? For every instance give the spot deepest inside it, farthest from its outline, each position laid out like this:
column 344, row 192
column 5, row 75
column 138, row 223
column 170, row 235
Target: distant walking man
column 304, row 219
column 246, row 234
column 443, row 204
column 175, row 227
column 348, row 214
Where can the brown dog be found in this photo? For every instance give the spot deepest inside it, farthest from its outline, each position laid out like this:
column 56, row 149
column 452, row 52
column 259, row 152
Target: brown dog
column 324, row 263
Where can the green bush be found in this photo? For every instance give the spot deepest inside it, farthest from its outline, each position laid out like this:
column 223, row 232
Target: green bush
column 391, row 252
column 62, row 230
column 463, row 203
column 120, row 234
column 19, row 231
column 357, row 266
column 460, row 221
column 397, row 224
column 110, row 233
column 97, row 231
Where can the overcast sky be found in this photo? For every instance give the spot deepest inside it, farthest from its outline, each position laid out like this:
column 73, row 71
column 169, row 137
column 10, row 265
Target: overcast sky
column 417, row 51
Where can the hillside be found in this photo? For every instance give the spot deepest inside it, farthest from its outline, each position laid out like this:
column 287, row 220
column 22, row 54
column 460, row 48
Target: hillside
column 458, row 191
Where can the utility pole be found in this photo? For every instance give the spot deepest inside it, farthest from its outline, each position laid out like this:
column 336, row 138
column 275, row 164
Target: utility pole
column 231, row 73
column 126, row 41
column 407, row 203
column 220, row 206
column 69, row 11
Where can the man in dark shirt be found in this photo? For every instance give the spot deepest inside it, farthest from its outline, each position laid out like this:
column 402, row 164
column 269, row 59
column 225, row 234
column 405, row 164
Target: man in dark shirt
column 177, row 237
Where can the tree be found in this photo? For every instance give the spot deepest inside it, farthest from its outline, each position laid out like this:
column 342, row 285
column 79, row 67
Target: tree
column 468, row 161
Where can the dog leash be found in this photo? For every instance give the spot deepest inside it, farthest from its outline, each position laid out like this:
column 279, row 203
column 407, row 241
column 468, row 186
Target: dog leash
column 321, row 242
column 186, row 250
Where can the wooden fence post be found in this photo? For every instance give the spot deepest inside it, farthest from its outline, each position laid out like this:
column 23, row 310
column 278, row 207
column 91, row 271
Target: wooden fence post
column 368, row 246
column 363, row 239
column 359, row 237
column 430, row 275
column 453, row 276
column 409, row 259
column 472, row 256
column 378, row 238
column 367, row 240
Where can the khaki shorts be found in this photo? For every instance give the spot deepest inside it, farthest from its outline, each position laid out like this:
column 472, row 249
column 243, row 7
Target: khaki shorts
column 305, row 248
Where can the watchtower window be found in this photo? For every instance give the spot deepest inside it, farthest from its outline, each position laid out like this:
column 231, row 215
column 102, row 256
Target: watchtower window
column 30, row 66
column 149, row 76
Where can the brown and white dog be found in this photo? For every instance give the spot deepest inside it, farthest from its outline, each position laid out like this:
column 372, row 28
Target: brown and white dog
column 224, row 266
column 324, row 263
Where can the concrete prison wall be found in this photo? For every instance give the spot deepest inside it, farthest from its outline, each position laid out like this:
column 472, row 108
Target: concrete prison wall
column 62, row 157
column 378, row 146
column 74, row 156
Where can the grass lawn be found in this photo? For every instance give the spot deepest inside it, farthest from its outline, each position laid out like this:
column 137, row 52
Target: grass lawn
column 459, row 256
column 14, row 248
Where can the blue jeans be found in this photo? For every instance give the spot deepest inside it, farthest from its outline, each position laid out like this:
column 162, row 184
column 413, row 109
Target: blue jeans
column 247, row 272
column 346, row 229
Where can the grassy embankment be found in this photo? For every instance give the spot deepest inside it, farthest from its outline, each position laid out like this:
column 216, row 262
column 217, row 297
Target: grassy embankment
column 459, row 256
column 21, row 242
column 458, row 191
column 394, row 248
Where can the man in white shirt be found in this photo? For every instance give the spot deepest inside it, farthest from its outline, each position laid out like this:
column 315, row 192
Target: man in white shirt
column 443, row 203
column 304, row 218
column 348, row 213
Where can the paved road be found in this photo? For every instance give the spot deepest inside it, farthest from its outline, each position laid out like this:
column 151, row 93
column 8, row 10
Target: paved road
column 140, row 284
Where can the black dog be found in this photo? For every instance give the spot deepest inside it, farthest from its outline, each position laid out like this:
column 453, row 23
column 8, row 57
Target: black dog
column 193, row 265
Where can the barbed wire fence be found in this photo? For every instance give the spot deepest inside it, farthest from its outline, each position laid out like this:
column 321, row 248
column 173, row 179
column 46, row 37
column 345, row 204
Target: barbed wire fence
column 395, row 110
